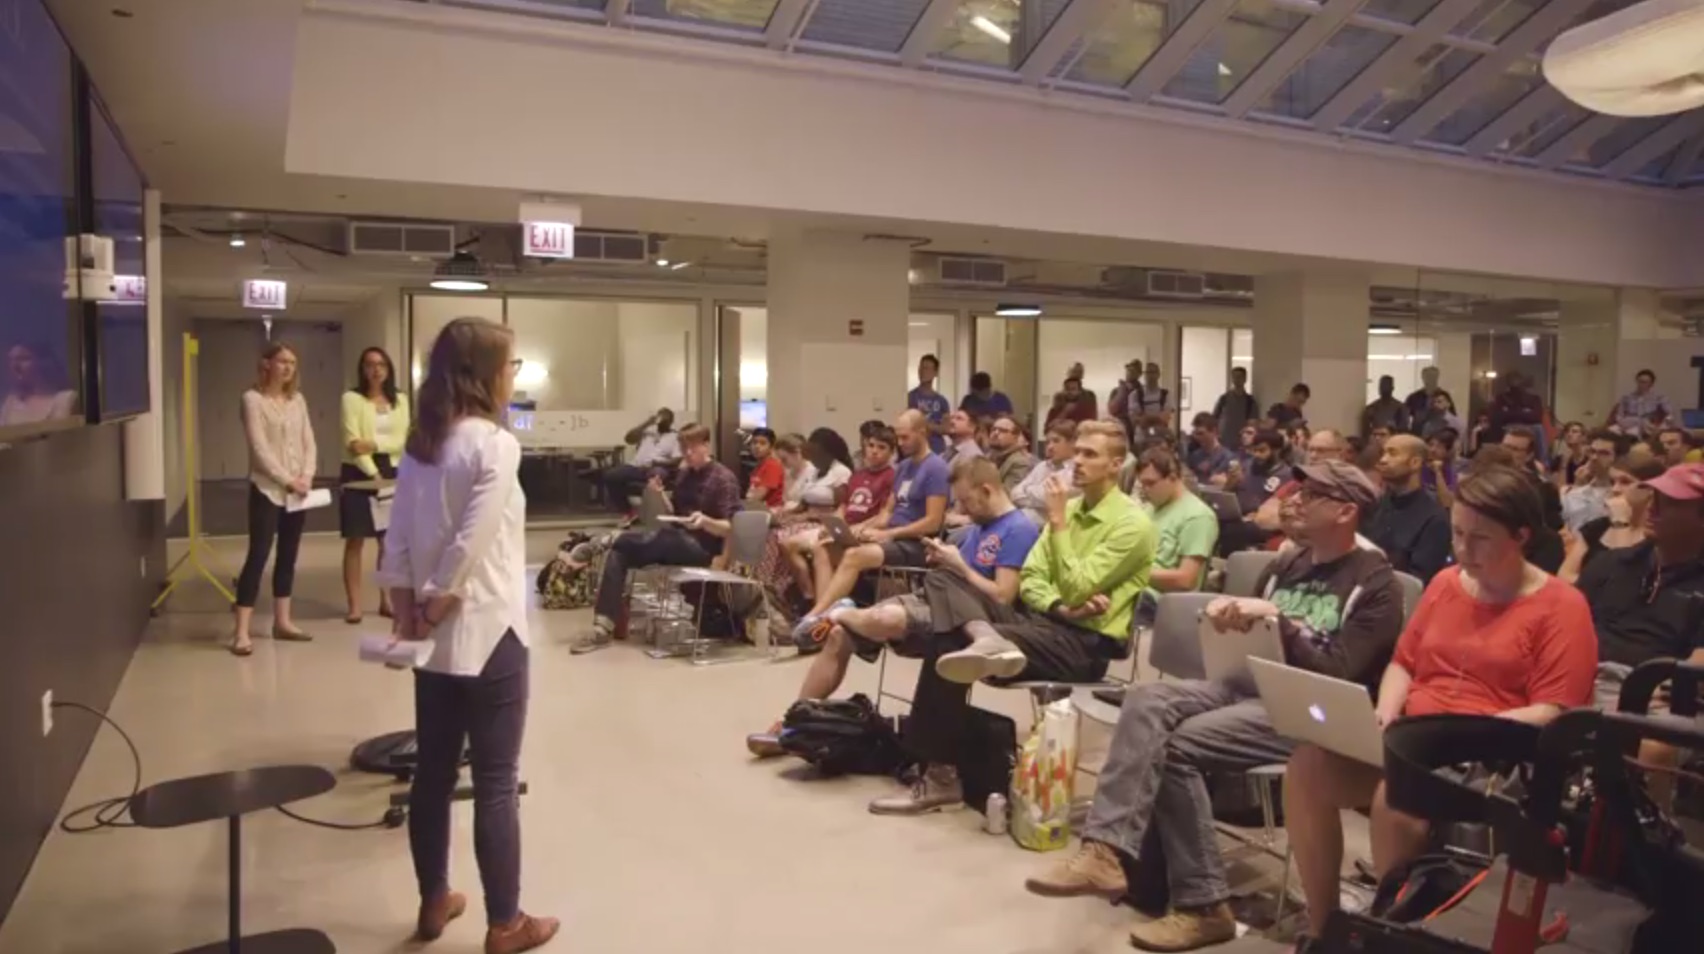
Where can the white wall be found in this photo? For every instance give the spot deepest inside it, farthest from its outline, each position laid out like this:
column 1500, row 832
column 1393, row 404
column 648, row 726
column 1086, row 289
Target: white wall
column 1242, row 356
column 1206, row 355
column 1103, row 347
column 372, row 99
column 1402, row 357
column 935, row 334
column 658, row 343
column 1455, row 367
column 430, row 313
column 754, row 352
column 376, row 323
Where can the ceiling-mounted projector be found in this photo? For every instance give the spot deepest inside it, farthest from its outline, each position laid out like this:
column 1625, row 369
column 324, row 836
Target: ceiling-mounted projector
column 1646, row 60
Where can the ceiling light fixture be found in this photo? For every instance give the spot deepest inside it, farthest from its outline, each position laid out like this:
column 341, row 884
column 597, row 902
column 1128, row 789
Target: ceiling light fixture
column 662, row 263
column 992, row 29
column 1642, row 60
column 237, row 240
column 1018, row 311
column 1224, row 70
column 1384, row 330
column 460, row 273
column 679, row 265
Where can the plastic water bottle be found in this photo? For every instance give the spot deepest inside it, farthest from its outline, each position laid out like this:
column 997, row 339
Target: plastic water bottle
column 994, row 818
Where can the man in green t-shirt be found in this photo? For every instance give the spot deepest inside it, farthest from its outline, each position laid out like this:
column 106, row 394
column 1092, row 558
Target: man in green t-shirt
column 1188, row 529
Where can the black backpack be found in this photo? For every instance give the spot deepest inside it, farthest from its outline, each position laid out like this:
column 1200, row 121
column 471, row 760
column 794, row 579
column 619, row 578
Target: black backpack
column 843, row 736
column 1426, row 886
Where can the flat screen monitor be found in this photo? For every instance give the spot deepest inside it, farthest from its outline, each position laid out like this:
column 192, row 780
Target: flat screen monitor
column 754, row 413
column 40, row 331
column 1692, row 420
column 121, row 322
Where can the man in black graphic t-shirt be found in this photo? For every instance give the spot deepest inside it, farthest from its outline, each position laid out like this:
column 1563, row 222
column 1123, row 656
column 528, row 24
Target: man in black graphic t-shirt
column 1339, row 612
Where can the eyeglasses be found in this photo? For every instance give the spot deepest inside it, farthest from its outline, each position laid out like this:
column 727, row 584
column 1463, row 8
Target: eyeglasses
column 1311, row 492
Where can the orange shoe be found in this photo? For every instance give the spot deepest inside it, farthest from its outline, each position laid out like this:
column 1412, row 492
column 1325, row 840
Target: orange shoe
column 766, row 745
column 524, row 933
column 437, row 913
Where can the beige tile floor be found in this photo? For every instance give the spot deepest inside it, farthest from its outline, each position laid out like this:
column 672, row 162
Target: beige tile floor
column 647, row 828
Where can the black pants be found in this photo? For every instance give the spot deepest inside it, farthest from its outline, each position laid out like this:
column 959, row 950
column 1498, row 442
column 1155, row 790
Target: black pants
column 670, row 546
column 622, row 482
column 266, row 521
column 940, row 710
column 488, row 713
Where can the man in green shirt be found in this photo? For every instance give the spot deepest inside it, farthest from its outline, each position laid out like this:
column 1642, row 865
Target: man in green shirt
column 1079, row 584
column 1188, row 528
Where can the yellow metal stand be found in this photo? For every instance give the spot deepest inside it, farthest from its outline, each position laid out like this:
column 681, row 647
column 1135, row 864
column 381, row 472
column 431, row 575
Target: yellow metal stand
column 191, row 563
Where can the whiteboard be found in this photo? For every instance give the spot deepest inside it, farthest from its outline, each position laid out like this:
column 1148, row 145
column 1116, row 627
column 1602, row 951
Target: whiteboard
column 576, row 430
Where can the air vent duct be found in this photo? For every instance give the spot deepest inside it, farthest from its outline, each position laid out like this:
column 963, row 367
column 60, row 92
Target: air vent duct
column 1177, row 284
column 986, row 272
column 591, row 246
column 428, row 240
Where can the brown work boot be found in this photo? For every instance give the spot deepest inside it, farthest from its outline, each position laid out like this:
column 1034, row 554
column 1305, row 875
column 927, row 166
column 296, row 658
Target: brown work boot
column 766, row 745
column 1095, row 870
column 1185, row 929
column 436, row 913
column 524, row 933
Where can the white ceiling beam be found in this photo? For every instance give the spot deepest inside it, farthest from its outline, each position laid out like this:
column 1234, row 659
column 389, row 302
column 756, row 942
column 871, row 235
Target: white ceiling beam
column 1399, row 56
column 1281, row 62
column 1526, row 111
column 921, row 39
column 1580, row 137
column 786, row 20
column 1540, row 28
column 1684, row 160
column 615, row 11
column 1650, row 148
column 1177, row 48
column 1078, row 18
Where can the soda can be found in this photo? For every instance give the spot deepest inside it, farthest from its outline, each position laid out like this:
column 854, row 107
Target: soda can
column 994, row 819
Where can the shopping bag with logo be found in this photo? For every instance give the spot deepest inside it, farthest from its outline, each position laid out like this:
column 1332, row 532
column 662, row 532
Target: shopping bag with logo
column 1042, row 785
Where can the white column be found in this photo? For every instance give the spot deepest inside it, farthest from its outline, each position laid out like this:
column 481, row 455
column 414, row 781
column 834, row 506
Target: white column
column 1587, row 331
column 1311, row 327
column 837, row 330
column 144, row 436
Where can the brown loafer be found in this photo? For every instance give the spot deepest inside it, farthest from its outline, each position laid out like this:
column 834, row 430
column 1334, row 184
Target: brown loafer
column 524, row 933
column 437, row 913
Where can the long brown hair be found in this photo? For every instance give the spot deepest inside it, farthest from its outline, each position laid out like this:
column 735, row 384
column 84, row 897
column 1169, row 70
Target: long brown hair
column 266, row 355
column 463, row 377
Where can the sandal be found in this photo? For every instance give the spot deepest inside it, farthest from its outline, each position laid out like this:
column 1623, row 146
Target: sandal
column 241, row 649
column 353, row 619
column 290, row 635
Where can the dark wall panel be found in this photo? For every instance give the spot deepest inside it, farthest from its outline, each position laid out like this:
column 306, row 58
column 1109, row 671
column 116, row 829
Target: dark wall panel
column 78, row 567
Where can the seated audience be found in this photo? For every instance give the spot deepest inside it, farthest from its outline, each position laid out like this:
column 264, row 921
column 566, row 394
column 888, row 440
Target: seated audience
column 1409, row 524
column 1072, row 402
column 1297, row 437
column 704, row 488
column 1289, row 412
column 795, row 528
column 1338, row 609
column 1676, row 443
column 1493, row 635
column 864, row 431
column 1442, row 417
column 1569, row 455
column 1544, row 547
column 977, row 580
column 1209, row 460
column 1323, row 445
column 983, row 402
column 768, row 484
column 916, row 509
column 1261, row 475
column 961, row 437
column 1523, row 441
column 799, row 472
column 1585, row 497
column 1008, row 447
column 1439, row 477
column 1626, row 507
column 812, row 556
column 657, row 446
column 1187, row 529
column 1059, row 448
column 828, row 461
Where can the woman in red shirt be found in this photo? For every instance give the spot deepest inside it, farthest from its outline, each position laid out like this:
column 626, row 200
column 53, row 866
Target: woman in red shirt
column 1493, row 635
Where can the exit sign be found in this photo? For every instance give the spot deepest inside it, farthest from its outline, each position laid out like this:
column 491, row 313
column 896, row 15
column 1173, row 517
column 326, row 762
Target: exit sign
column 263, row 293
column 547, row 239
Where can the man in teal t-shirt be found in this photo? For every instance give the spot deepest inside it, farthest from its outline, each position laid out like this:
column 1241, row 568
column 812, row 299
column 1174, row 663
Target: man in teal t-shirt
column 1188, row 528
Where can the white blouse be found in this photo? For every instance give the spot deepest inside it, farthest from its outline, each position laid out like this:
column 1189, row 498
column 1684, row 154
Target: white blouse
column 281, row 443
column 458, row 527
column 823, row 489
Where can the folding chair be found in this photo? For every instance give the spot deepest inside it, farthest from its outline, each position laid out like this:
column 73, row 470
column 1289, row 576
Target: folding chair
column 746, row 540
column 1243, row 569
column 1412, row 589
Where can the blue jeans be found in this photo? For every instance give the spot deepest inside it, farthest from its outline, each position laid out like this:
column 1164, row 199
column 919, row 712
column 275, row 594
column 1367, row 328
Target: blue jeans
column 488, row 713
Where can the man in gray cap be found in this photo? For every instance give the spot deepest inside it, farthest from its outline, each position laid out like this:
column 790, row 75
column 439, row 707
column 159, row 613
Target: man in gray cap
column 1338, row 610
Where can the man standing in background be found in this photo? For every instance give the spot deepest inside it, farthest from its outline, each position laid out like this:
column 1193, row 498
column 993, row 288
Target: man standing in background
column 1419, row 403
column 1234, row 409
column 983, row 402
column 1386, row 410
column 932, row 404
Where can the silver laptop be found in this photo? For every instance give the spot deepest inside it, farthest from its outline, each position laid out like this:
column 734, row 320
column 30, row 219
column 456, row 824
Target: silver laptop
column 1225, row 656
column 1225, row 504
column 1333, row 714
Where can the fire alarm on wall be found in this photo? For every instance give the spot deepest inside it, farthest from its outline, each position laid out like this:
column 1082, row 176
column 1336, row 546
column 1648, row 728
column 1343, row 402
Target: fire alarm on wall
column 1592, row 359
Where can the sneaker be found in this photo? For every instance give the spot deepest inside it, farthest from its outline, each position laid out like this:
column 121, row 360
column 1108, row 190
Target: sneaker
column 812, row 629
column 1186, row 929
column 766, row 745
column 1095, row 871
column 524, row 933
column 937, row 788
column 594, row 639
column 990, row 657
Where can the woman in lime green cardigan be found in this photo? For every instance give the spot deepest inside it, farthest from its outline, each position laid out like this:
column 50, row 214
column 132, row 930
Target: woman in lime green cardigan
column 375, row 427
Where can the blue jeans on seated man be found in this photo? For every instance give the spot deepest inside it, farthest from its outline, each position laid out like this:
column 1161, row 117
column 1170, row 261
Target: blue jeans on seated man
column 1169, row 736
column 636, row 549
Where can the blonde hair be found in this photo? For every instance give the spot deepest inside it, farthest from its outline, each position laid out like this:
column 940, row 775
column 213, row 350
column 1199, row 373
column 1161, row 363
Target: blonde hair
column 463, row 379
column 1118, row 442
column 269, row 352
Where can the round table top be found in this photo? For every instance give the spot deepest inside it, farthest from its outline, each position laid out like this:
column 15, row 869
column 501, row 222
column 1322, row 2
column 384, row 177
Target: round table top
column 377, row 483
column 189, row 801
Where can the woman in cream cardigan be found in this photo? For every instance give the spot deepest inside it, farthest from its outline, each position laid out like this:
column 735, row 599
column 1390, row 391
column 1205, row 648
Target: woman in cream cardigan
column 375, row 427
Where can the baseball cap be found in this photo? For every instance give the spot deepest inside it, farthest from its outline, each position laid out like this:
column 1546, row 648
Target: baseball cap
column 1345, row 480
column 1680, row 482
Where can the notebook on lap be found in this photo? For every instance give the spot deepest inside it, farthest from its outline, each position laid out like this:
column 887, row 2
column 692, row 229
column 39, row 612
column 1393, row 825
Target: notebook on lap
column 1333, row 714
column 1225, row 656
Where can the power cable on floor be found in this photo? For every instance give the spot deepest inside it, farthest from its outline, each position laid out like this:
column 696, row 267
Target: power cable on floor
column 111, row 812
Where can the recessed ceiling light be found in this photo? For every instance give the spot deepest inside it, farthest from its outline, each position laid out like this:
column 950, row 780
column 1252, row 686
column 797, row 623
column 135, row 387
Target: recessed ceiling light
column 1018, row 311
column 678, row 266
column 992, row 29
column 662, row 263
column 1384, row 330
column 459, row 284
column 237, row 240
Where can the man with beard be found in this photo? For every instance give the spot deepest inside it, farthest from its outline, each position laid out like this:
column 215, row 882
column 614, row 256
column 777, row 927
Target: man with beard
column 1408, row 523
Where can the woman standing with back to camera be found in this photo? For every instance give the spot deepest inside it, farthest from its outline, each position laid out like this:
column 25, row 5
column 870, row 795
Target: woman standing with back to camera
column 375, row 424
column 455, row 560
column 282, row 455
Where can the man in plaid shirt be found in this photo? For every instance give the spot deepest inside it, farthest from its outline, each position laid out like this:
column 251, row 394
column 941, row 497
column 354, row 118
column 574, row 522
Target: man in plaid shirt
column 1635, row 408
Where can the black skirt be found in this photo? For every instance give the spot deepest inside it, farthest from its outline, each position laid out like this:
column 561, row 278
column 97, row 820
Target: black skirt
column 355, row 507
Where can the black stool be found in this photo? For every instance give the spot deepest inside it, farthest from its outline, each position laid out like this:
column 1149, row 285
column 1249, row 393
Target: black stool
column 231, row 795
